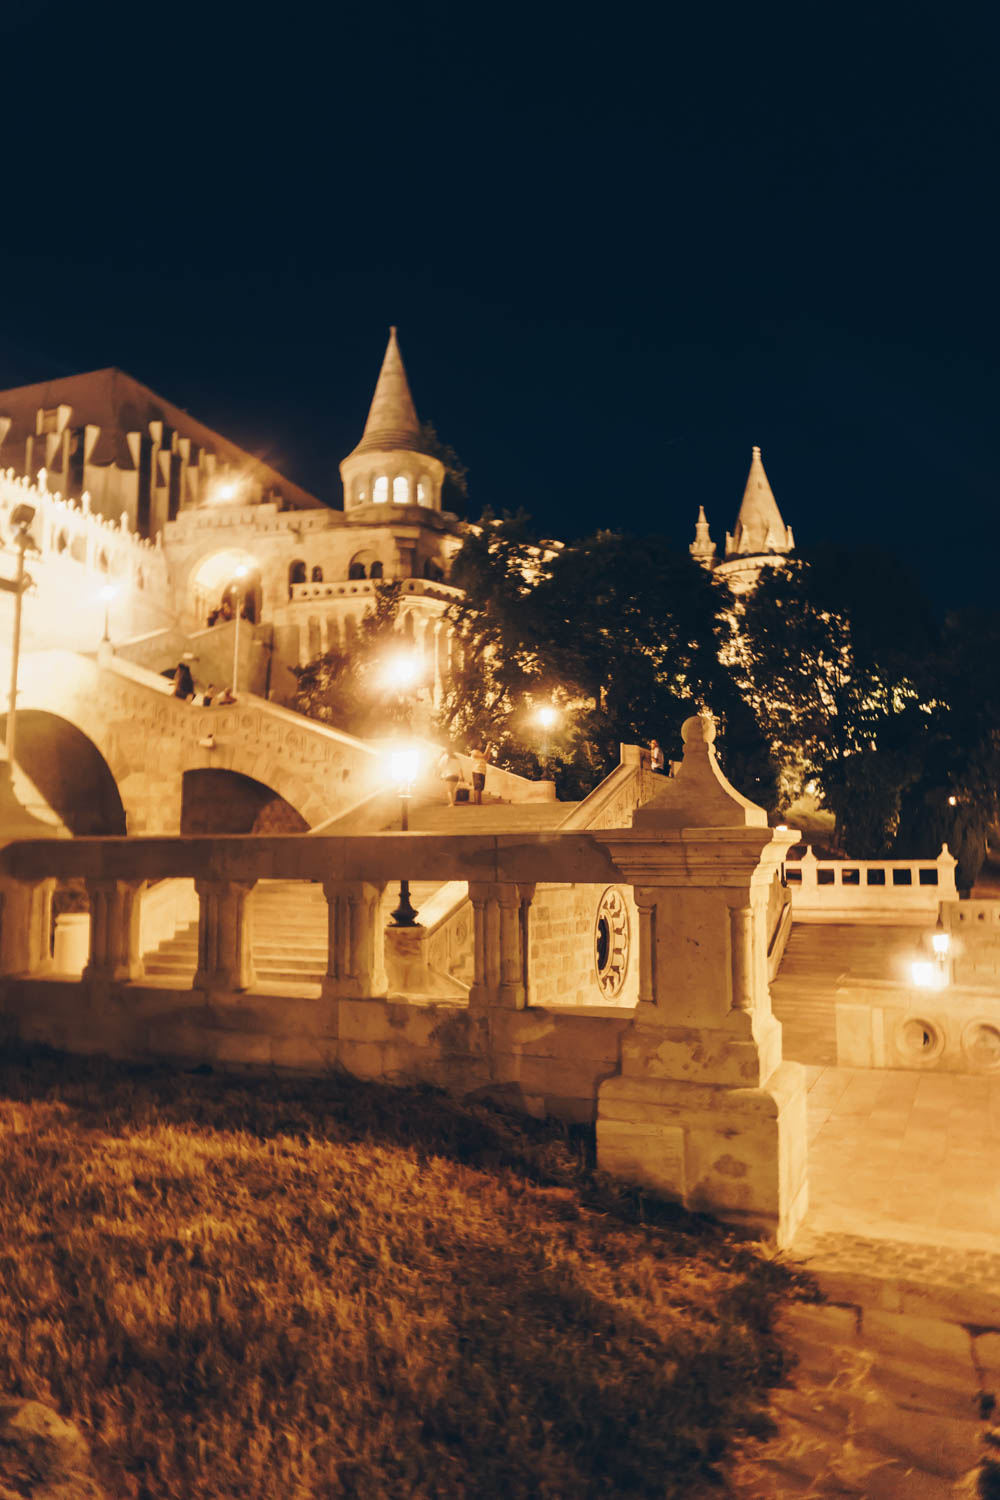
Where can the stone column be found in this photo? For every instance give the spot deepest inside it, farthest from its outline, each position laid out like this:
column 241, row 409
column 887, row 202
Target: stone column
column 500, row 935
column 25, row 926
column 225, row 935
column 704, row 1110
column 355, row 965
column 114, row 930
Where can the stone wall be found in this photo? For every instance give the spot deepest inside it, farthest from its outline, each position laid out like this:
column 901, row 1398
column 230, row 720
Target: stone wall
column 562, row 940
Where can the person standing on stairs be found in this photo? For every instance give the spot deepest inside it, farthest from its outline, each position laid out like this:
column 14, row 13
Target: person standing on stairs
column 477, row 755
column 450, row 772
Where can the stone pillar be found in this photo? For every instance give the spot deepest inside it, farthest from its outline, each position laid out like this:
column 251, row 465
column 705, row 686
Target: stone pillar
column 114, row 930
column 704, row 1110
column 225, row 935
column 25, row 926
column 500, row 936
column 355, row 964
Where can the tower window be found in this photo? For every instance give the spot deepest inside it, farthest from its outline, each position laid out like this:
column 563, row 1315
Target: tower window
column 380, row 493
column 376, row 570
column 317, row 575
column 400, row 490
column 423, row 497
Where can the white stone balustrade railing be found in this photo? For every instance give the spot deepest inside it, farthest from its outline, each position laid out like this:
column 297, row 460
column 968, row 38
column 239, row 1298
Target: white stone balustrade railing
column 831, row 888
column 344, row 588
column 71, row 533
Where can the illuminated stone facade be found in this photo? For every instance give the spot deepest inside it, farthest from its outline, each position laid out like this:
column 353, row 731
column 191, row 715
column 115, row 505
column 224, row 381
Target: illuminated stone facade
column 154, row 529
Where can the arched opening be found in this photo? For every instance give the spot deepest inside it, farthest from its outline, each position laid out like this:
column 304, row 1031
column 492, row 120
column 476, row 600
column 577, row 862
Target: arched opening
column 317, row 575
column 380, row 492
column 433, row 570
column 296, row 573
column 215, row 802
column 375, row 571
column 361, row 565
column 69, row 772
column 223, row 583
column 400, row 490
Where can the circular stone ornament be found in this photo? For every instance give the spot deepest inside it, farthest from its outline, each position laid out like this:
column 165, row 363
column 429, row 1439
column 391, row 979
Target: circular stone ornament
column 981, row 1045
column 919, row 1040
column 611, row 942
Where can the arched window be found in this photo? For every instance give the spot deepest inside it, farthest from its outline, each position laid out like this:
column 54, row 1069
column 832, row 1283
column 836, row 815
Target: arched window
column 360, row 492
column 356, row 570
column 400, row 490
column 362, row 565
column 376, row 570
column 380, row 493
column 317, row 575
column 296, row 574
column 433, row 570
column 423, row 493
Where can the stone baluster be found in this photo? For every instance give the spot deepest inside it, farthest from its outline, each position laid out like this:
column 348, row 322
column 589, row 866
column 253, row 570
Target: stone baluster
column 225, row 935
column 745, row 978
column 645, row 901
column 355, row 966
column 500, row 935
column 114, row 930
column 25, row 926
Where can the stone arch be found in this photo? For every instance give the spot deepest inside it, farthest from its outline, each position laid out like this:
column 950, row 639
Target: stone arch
column 215, row 801
column 70, row 773
column 296, row 573
column 361, row 564
column 214, row 575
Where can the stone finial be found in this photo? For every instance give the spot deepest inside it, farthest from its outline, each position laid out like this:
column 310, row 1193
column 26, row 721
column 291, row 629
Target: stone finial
column 698, row 796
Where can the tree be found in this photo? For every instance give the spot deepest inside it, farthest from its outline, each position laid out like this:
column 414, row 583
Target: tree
column 830, row 651
column 455, row 488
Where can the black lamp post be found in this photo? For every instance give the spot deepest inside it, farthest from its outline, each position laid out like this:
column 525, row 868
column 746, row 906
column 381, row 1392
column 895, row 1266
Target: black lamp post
column 405, row 763
column 22, row 517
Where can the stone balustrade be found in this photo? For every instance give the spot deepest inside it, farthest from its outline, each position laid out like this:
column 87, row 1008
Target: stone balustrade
column 341, row 589
column 688, row 1090
column 832, row 889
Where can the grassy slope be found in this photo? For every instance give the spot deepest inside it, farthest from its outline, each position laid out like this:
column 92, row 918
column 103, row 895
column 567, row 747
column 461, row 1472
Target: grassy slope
column 270, row 1288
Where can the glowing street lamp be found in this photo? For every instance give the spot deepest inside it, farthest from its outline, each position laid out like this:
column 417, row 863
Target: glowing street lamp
column 403, row 671
column 241, row 573
column 404, row 767
column 108, row 594
column 546, row 717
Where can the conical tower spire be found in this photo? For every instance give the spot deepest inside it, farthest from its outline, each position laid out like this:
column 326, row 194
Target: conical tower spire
column 702, row 549
column 759, row 527
column 392, row 421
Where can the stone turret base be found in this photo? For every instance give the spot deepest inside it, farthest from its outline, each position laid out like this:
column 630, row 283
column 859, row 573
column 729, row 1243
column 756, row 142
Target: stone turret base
column 740, row 1154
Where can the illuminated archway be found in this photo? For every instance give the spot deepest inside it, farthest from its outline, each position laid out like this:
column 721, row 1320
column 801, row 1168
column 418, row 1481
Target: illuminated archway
column 69, row 772
column 213, row 578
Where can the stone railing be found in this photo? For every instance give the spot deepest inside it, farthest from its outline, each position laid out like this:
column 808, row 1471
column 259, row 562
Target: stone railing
column 70, row 533
column 344, row 588
column 832, row 889
column 688, row 1089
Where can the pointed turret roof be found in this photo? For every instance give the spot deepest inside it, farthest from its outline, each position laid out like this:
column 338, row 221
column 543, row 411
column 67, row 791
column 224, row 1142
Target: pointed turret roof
column 759, row 527
column 392, row 421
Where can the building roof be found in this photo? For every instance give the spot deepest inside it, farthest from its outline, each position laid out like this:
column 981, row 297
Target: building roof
column 117, row 403
column 759, row 527
column 392, row 421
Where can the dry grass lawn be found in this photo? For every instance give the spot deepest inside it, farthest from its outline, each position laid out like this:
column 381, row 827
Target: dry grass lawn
column 246, row 1288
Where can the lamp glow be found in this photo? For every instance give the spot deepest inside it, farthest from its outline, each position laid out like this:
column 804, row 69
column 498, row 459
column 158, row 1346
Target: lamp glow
column 940, row 942
column 404, row 767
column 402, row 671
column 923, row 973
column 547, row 716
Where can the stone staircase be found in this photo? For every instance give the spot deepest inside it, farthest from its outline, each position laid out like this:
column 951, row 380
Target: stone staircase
column 290, row 935
column 491, row 817
column 804, row 991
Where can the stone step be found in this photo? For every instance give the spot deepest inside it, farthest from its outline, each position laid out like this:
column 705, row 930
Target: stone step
column 518, row 817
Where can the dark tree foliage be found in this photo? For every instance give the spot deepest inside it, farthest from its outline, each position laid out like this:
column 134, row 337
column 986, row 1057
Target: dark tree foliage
column 832, row 651
column 455, row 489
column 617, row 633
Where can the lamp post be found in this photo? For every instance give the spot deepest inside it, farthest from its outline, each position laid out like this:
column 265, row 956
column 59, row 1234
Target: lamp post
column 241, row 573
column 108, row 593
column 404, row 764
column 22, row 517
column 547, row 717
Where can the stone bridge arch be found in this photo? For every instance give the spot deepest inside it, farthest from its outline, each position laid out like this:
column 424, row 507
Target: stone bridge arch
column 70, row 773
column 149, row 739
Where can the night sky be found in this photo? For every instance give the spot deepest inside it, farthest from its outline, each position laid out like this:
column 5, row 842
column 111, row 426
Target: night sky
column 621, row 245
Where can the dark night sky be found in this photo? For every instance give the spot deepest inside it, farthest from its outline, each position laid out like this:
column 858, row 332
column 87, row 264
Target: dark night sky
column 621, row 245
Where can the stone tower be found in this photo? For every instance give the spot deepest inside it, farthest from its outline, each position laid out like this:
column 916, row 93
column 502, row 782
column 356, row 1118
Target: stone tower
column 760, row 538
column 390, row 469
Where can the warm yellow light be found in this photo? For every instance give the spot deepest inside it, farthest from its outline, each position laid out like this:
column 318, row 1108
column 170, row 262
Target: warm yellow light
column 952, row 801
column 546, row 716
column 940, row 942
column 109, row 592
column 403, row 670
column 404, row 767
column 922, row 973
column 227, row 491
column 781, row 828
column 241, row 572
